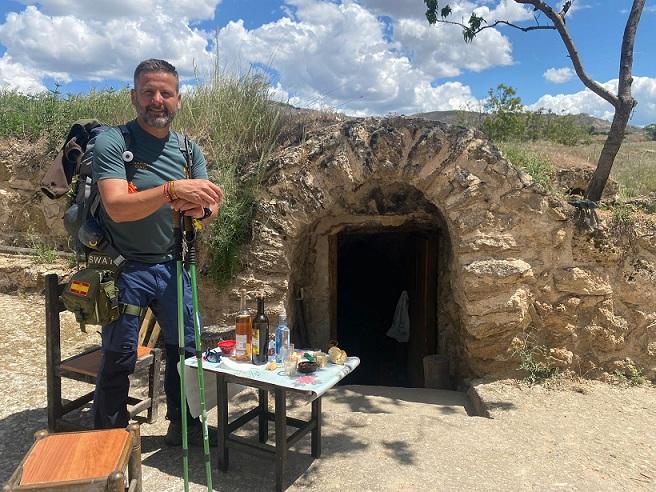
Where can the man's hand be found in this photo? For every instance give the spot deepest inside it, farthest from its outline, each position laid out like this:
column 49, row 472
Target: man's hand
column 193, row 210
column 187, row 208
column 201, row 192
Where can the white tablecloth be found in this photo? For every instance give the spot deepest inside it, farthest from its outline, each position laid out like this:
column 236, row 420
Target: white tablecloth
column 314, row 384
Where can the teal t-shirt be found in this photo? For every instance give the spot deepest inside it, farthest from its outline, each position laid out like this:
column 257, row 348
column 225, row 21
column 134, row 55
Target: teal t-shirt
column 155, row 162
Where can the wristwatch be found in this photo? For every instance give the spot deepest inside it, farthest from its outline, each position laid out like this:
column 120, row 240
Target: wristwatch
column 206, row 213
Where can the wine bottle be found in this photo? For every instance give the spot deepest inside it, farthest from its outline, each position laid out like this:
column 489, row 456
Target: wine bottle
column 243, row 332
column 260, row 333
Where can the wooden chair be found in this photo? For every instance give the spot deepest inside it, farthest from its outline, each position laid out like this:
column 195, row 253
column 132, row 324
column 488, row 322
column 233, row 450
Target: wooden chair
column 85, row 366
column 81, row 461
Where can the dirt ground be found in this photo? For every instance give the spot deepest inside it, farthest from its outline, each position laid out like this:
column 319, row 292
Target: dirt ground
column 574, row 436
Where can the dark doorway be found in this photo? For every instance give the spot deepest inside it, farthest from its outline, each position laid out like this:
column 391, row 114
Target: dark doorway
column 370, row 272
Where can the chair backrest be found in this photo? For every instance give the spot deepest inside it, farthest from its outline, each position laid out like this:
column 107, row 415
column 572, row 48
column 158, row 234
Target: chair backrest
column 149, row 332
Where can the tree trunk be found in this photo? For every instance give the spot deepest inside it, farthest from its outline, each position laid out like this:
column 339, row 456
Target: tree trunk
column 623, row 106
column 611, row 147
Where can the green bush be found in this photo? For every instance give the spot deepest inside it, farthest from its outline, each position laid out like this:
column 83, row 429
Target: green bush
column 650, row 131
column 508, row 120
column 538, row 167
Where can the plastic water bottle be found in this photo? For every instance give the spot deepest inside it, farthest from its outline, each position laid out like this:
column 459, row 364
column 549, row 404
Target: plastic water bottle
column 282, row 338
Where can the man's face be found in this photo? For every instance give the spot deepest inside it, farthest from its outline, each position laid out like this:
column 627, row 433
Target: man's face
column 156, row 98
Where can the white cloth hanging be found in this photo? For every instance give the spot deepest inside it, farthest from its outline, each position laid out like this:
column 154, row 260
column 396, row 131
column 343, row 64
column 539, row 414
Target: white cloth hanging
column 400, row 329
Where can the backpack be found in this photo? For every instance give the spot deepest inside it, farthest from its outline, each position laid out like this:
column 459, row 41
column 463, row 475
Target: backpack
column 91, row 293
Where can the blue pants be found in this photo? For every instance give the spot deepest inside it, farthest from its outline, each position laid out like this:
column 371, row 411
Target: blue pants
column 142, row 284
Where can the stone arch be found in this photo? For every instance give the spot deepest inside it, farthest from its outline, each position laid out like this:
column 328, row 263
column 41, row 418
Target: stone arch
column 398, row 172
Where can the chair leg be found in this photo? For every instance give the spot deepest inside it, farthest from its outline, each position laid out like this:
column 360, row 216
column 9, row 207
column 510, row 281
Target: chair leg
column 154, row 385
column 134, row 462
column 116, row 482
column 53, row 351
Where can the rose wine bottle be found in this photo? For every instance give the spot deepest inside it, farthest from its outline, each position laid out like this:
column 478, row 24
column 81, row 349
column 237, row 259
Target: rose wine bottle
column 243, row 332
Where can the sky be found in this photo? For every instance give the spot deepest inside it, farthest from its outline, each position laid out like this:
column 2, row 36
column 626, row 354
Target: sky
column 359, row 57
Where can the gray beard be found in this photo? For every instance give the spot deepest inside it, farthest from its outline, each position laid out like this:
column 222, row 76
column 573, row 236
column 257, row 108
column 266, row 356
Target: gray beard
column 157, row 121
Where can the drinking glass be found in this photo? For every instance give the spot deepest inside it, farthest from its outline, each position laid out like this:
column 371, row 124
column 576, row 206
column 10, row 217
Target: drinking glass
column 290, row 367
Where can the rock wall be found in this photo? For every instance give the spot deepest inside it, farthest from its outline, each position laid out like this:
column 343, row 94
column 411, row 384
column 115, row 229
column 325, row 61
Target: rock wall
column 518, row 273
column 515, row 272
column 27, row 217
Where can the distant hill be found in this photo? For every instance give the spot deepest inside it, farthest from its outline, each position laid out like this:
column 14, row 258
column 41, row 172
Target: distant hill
column 474, row 119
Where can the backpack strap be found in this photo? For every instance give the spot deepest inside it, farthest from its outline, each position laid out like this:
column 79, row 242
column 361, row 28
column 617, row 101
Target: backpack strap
column 127, row 136
column 184, row 144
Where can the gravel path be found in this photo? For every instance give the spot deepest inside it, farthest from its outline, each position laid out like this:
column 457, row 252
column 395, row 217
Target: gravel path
column 578, row 436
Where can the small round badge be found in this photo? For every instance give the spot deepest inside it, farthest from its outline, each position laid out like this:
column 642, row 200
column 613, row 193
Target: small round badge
column 127, row 156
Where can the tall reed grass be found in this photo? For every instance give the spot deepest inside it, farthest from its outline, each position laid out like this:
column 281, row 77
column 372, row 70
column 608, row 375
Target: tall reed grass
column 231, row 117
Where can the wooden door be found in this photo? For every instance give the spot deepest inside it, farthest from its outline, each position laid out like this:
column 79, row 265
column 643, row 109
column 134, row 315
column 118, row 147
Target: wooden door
column 423, row 306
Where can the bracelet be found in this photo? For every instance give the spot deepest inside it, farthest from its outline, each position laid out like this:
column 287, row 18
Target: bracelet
column 169, row 191
column 206, row 213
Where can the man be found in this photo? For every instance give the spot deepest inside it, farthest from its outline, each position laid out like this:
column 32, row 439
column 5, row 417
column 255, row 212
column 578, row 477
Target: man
column 138, row 193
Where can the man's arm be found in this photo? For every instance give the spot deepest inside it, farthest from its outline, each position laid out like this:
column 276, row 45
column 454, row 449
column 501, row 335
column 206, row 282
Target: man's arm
column 122, row 206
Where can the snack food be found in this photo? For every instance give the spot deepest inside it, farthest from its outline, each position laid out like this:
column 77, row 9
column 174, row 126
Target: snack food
column 337, row 355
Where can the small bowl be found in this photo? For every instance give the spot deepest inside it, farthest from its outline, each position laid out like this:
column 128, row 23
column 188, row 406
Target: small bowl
column 227, row 346
column 307, row 367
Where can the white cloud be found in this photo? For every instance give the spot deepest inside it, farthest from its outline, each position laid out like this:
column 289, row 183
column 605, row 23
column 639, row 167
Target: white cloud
column 324, row 53
column 397, row 9
column 16, row 77
column 336, row 55
column 643, row 89
column 507, row 10
column 441, row 51
column 104, row 10
column 559, row 75
column 95, row 49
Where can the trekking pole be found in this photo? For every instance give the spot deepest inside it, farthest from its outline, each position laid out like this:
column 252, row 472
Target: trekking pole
column 177, row 235
column 189, row 236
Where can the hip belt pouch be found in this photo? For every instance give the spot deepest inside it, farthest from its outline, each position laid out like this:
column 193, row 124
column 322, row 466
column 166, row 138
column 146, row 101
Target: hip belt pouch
column 91, row 295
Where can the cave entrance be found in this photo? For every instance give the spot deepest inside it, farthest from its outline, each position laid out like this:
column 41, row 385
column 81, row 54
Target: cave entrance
column 369, row 271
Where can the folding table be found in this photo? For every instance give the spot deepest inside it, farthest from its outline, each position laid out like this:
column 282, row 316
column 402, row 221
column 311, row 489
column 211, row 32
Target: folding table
column 311, row 386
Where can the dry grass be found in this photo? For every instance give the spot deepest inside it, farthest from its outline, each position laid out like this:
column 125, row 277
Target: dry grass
column 634, row 168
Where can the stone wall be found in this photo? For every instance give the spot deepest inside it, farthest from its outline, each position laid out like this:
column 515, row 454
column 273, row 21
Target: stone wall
column 515, row 271
column 518, row 271
column 26, row 215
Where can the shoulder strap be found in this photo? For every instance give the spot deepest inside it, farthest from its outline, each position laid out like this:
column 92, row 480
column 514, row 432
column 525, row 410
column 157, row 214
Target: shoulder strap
column 185, row 147
column 127, row 136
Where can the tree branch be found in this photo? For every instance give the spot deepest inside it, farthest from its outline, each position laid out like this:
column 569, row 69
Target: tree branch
column 558, row 21
column 496, row 23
